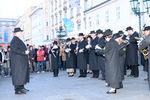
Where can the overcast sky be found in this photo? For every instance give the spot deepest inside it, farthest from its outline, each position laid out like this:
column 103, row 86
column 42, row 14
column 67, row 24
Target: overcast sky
column 15, row 8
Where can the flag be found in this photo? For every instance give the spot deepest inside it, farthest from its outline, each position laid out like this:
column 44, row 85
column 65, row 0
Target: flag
column 68, row 24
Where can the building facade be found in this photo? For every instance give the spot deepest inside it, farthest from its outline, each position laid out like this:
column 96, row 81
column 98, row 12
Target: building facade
column 93, row 15
column 37, row 25
column 65, row 9
column 6, row 30
column 24, row 22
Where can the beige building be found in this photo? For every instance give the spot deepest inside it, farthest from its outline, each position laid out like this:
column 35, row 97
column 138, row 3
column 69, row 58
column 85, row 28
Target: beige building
column 25, row 23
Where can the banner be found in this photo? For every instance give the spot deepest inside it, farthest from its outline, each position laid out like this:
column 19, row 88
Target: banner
column 68, row 24
column 5, row 37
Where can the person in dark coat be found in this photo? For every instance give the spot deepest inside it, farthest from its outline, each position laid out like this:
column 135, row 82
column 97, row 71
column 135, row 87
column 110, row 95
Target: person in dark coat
column 145, row 43
column 101, row 43
column 132, row 52
column 55, row 58
column 122, row 53
column 81, row 56
column 73, row 53
column 89, row 71
column 1, row 61
column 19, row 62
column 93, row 58
column 69, row 58
column 31, row 58
column 112, row 66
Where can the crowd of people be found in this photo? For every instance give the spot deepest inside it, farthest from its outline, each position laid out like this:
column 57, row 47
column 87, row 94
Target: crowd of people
column 105, row 55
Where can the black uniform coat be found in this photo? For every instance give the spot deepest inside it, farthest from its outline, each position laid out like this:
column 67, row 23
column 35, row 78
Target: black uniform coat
column 71, row 56
column 81, row 57
column 122, row 57
column 101, row 43
column 19, row 62
column 132, row 50
column 54, row 58
column 93, row 58
column 112, row 64
column 144, row 44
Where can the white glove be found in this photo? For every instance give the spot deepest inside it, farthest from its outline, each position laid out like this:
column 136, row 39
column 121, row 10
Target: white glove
column 98, row 47
column 88, row 46
column 81, row 50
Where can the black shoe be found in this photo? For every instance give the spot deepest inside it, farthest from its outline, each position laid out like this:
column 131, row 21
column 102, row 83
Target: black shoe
column 111, row 92
column 107, row 85
column 80, row 76
column 83, row 76
column 24, row 89
column 146, row 79
column 20, row 92
column 130, row 76
column 102, row 78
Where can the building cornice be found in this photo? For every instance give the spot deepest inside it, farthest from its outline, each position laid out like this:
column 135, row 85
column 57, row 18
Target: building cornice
column 99, row 5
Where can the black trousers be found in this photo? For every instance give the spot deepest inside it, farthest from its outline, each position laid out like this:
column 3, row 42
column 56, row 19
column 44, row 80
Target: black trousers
column 95, row 73
column 135, row 71
column 83, row 73
column 55, row 72
column 64, row 65
column 18, row 87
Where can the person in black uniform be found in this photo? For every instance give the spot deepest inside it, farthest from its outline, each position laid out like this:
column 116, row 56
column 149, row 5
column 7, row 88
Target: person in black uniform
column 19, row 62
column 145, row 43
column 73, row 52
column 81, row 56
column 69, row 50
column 132, row 52
column 54, row 51
column 101, row 43
column 93, row 58
column 112, row 66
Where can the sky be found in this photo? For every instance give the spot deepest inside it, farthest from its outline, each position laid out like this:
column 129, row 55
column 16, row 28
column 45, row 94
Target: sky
column 15, row 8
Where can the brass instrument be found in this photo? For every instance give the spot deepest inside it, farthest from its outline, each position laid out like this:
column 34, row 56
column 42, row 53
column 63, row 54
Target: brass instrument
column 145, row 53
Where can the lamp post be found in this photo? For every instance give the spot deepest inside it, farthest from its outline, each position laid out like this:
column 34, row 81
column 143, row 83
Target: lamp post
column 135, row 5
column 61, row 32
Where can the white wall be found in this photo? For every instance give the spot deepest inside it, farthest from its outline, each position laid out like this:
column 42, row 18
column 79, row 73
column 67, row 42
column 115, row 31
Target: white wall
column 127, row 18
column 37, row 28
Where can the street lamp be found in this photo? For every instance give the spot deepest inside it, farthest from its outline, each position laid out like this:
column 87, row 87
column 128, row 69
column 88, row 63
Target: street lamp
column 135, row 5
column 147, row 5
column 61, row 33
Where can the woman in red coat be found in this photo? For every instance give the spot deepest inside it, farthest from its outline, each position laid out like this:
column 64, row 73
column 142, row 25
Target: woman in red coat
column 40, row 59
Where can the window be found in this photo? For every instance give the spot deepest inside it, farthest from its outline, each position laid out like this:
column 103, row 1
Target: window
column 65, row 13
column 52, row 20
column 90, row 23
column 60, row 17
column 97, row 19
column 56, row 19
column 47, row 37
column 60, row 2
column 52, row 5
column 85, row 4
column 55, row 4
column 79, row 27
column 46, row 23
column 85, row 23
column 107, row 16
column 71, row 12
column 53, row 34
column 78, row 10
column 118, row 13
